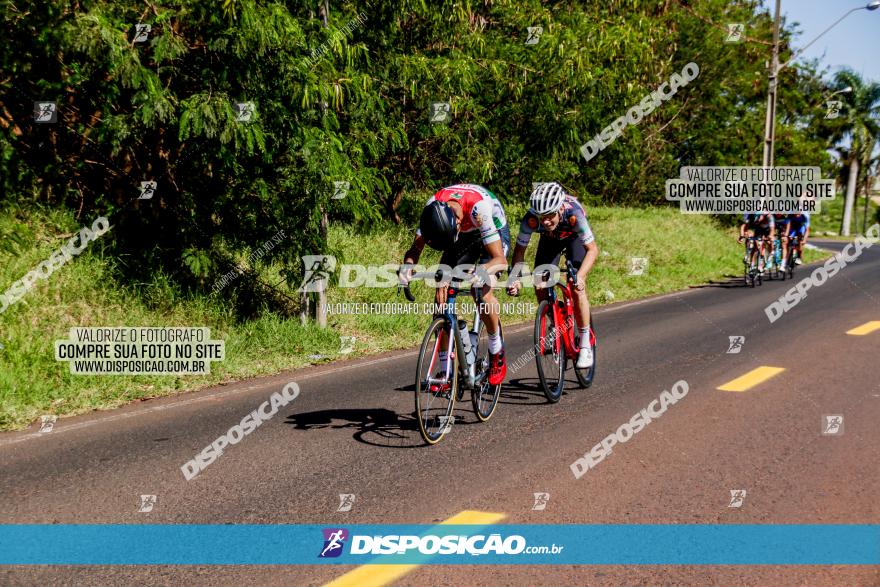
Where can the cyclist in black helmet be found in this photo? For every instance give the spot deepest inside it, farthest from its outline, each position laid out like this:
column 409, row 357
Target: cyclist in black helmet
column 467, row 223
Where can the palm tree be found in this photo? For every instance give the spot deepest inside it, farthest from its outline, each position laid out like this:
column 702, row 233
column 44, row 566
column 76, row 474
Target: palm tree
column 859, row 126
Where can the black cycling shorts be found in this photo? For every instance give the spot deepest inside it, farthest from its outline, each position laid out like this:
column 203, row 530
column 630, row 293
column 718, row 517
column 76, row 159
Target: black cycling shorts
column 469, row 248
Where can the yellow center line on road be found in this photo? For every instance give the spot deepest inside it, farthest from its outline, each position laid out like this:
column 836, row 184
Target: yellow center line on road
column 866, row 328
column 378, row 575
column 751, row 379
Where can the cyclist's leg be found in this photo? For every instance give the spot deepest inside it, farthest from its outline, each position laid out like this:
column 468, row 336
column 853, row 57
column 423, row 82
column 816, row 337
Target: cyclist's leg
column 453, row 257
column 575, row 252
column 490, row 311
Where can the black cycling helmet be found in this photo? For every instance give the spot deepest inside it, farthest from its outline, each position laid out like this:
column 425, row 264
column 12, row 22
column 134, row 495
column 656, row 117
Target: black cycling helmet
column 438, row 225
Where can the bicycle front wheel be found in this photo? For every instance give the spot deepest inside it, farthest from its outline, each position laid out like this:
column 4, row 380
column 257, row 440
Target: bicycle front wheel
column 549, row 352
column 436, row 385
column 485, row 396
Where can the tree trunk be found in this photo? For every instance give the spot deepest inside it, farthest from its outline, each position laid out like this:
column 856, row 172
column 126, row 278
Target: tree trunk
column 850, row 201
column 867, row 190
column 393, row 202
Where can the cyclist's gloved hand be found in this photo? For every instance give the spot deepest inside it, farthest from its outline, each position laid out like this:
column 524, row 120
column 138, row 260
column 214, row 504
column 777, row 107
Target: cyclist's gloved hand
column 405, row 273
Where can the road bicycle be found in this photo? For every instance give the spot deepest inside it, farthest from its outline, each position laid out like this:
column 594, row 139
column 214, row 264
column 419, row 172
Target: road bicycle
column 557, row 338
column 751, row 273
column 793, row 255
column 437, row 388
column 773, row 257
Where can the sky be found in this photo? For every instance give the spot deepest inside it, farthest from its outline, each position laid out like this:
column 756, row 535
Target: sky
column 855, row 41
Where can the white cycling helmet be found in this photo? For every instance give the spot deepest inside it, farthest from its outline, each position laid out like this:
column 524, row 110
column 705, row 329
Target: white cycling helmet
column 547, row 198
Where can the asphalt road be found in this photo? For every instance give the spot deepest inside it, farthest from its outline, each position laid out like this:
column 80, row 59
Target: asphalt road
column 352, row 431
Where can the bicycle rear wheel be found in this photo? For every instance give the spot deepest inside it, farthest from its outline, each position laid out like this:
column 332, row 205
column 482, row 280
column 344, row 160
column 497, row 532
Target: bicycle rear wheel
column 485, row 396
column 585, row 376
column 435, row 397
column 549, row 352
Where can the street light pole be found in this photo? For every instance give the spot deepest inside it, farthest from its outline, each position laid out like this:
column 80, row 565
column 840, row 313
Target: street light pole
column 775, row 68
column 770, row 121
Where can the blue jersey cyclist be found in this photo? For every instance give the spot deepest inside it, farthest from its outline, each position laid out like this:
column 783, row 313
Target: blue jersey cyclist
column 799, row 226
column 562, row 223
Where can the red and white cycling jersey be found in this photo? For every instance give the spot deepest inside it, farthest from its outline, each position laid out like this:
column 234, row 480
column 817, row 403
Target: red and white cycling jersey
column 482, row 210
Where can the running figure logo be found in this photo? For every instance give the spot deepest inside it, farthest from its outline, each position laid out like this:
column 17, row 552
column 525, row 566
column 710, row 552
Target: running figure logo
column 832, row 424
column 737, row 496
column 833, row 107
column 736, row 344
column 147, row 503
column 440, row 111
column 638, row 265
column 244, row 111
column 318, row 271
column 47, row 423
column 346, row 502
column 334, row 540
column 534, row 35
column 141, row 32
column 541, row 500
column 446, row 423
column 148, row 189
column 45, row 112
column 340, row 189
column 734, row 32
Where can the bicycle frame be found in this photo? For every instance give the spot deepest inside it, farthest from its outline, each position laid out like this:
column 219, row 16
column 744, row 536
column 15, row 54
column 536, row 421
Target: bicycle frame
column 467, row 368
column 563, row 308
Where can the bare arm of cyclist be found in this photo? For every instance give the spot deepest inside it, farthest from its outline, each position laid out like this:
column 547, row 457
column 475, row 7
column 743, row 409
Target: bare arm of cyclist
column 589, row 259
column 519, row 253
column 497, row 261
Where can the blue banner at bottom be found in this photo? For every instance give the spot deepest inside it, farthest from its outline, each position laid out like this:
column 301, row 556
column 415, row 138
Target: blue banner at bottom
column 719, row 544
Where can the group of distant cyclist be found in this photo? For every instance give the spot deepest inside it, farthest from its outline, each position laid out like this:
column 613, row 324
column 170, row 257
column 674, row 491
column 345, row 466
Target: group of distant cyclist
column 468, row 224
column 774, row 244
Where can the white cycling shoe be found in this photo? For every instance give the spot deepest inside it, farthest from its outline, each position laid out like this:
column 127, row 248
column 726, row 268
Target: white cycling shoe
column 585, row 357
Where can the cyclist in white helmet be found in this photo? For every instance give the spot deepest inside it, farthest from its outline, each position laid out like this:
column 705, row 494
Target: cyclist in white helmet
column 562, row 223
